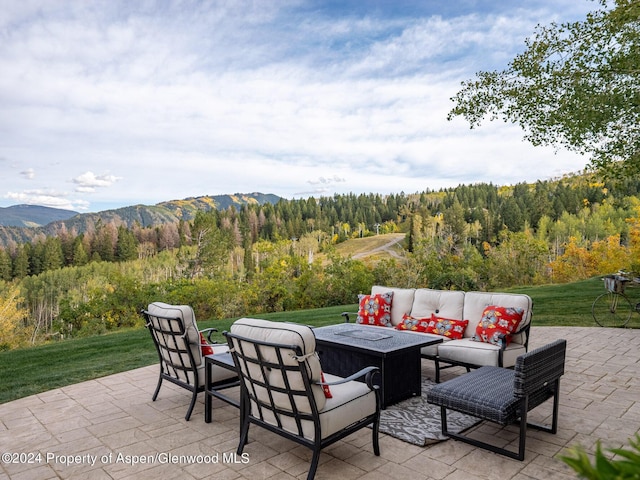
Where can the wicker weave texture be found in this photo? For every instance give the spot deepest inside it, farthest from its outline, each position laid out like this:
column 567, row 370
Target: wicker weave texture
column 495, row 394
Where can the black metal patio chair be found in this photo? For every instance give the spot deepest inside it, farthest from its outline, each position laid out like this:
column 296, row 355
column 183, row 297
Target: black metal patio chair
column 179, row 345
column 283, row 391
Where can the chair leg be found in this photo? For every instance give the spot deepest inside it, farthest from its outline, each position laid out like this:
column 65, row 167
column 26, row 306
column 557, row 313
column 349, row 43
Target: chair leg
column 554, row 418
column 443, row 420
column 193, row 404
column 376, row 437
column 556, row 404
column 245, row 409
column 244, row 433
column 155, row 394
column 523, row 434
column 487, row 446
column 314, row 463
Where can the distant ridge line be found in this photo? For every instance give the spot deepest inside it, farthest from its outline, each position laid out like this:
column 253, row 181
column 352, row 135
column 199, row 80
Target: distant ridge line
column 23, row 223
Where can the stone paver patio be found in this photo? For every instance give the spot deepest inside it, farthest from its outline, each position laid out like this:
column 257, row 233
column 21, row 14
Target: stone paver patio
column 110, row 429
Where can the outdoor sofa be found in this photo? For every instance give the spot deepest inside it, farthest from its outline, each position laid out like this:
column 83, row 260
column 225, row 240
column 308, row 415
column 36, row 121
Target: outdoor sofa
column 477, row 328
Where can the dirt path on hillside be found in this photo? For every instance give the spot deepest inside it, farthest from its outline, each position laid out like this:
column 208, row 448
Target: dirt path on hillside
column 397, row 238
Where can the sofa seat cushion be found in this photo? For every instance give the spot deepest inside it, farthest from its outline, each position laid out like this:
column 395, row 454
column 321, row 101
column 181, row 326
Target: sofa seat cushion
column 432, row 350
column 468, row 351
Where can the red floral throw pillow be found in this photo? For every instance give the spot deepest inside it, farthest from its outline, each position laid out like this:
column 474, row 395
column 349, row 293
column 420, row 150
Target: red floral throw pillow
column 447, row 327
column 204, row 346
column 375, row 309
column 497, row 325
column 325, row 388
column 413, row 324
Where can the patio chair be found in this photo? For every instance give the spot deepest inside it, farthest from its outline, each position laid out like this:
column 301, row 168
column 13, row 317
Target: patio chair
column 180, row 345
column 282, row 391
column 505, row 396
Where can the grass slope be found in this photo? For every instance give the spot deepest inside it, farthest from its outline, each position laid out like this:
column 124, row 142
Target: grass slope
column 368, row 246
column 33, row 370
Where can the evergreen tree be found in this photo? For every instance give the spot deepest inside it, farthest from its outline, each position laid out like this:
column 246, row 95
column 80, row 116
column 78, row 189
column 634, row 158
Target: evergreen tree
column 6, row 272
column 127, row 246
column 80, row 256
column 21, row 262
column 53, row 257
column 512, row 216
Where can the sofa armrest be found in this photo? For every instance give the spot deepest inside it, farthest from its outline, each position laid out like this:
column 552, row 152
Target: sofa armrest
column 524, row 331
column 346, row 316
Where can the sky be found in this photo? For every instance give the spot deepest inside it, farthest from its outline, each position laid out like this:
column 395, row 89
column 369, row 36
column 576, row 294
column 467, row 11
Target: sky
column 112, row 103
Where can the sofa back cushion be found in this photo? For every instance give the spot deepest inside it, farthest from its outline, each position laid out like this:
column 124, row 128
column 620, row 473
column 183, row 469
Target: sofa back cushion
column 476, row 302
column 401, row 304
column 442, row 303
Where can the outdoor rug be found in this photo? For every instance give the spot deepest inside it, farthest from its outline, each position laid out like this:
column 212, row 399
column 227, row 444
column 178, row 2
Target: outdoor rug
column 418, row 422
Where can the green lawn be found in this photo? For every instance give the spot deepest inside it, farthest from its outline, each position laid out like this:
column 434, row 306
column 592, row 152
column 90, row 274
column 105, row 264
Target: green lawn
column 33, row 370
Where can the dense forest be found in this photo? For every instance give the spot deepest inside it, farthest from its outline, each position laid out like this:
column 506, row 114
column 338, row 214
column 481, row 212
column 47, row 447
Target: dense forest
column 281, row 256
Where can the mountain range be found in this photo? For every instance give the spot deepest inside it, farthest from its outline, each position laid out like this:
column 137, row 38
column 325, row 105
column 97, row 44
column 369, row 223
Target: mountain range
column 32, row 215
column 24, row 223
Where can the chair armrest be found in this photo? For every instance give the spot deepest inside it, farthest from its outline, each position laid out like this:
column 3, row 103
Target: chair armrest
column 208, row 332
column 346, row 316
column 367, row 372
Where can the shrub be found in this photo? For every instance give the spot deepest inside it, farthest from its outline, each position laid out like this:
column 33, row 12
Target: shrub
column 625, row 464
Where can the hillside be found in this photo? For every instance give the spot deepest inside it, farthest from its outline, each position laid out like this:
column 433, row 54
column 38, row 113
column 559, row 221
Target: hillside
column 24, row 223
column 32, row 215
column 373, row 248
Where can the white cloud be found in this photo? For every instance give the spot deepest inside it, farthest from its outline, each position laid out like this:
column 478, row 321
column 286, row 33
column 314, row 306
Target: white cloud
column 200, row 98
column 327, row 180
column 89, row 181
column 48, row 199
column 29, row 173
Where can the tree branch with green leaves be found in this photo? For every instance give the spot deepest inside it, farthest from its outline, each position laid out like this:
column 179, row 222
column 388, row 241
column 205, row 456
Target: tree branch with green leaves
column 576, row 86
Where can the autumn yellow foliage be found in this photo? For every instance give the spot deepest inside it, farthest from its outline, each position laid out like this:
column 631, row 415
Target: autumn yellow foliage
column 12, row 317
column 634, row 240
column 578, row 261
